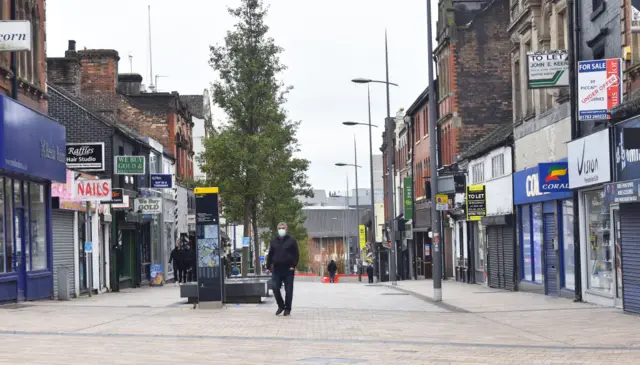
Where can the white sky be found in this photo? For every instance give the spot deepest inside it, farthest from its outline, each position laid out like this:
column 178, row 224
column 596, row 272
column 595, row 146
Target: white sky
column 327, row 43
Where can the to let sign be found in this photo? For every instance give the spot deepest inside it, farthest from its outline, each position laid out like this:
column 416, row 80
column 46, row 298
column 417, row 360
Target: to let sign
column 130, row 165
column 476, row 202
column 92, row 190
column 548, row 69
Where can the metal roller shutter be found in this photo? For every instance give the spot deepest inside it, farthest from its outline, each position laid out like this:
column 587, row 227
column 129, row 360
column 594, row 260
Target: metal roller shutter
column 63, row 247
column 630, row 251
column 508, row 249
column 551, row 273
column 493, row 269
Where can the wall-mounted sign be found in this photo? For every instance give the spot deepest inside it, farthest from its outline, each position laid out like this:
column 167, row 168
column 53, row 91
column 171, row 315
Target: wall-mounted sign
column 92, row 190
column 627, row 158
column 442, row 202
column 85, row 156
column 599, row 88
column 553, row 177
column 148, row 205
column 15, row 35
column 548, row 69
column 622, row 192
column 476, row 202
column 589, row 162
column 129, row 165
column 408, row 198
column 126, row 203
column 117, row 196
column 162, row 181
column 88, row 247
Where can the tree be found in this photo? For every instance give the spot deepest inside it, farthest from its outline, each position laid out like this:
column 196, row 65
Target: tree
column 251, row 159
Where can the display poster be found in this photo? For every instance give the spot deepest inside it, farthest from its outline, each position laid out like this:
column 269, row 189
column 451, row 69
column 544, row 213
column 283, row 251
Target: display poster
column 210, row 271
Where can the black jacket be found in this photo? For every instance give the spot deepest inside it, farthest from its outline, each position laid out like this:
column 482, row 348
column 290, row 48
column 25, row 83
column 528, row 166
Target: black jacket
column 332, row 267
column 177, row 258
column 283, row 253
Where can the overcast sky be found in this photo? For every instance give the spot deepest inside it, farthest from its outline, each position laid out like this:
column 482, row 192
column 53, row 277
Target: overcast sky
column 326, row 44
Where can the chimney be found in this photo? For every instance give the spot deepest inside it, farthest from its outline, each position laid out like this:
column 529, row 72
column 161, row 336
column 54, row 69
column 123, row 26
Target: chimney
column 66, row 72
column 130, row 84
column 99, row 71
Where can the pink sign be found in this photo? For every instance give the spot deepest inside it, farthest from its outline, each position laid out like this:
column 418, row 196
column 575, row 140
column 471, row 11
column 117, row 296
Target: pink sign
column 63, row 191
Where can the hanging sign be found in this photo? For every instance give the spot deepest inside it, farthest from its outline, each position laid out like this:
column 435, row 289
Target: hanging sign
column 85, row 156
column 476, row 202
column 408, row 198
column 117, row 196
column 548, row 69
column 363, row 236
column 92, row 190
column 129, row 165
column 148, row 205
column 161, row 181
column 15, row 35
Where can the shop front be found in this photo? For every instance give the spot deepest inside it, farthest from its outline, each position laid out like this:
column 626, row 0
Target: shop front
column 32, row 155
column 545, row 229
column 421, row 240
column 589, row 169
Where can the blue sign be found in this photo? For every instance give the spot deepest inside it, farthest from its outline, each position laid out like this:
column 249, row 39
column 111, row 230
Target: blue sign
column 245, row 241
column 627, row 161
column 526, row 188
column 622, row 192
column 161, row 181
column 88, row 247
column 31, row 143
column 261, row 258
column 553, row 177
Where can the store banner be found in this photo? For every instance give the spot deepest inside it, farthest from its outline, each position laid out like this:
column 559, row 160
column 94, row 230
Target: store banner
column 408, row 198
column 589, row 160
column 526, row 187
column 627, row 156
column 476, row 202
column 363, row 236
column 553, row 177
column 622, row 192
column 86, row 156
column 92, row 190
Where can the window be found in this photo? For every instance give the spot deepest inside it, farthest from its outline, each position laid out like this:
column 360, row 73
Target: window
column 477, row 173
column 27, row 219
column 38, row 227
column 530, row 99
column 596, row 3
column 497, row 166
column 568, row 246
column 536, row 222
column 3, row 256
column 517, row 91
column 527, row 259
column 600, row 251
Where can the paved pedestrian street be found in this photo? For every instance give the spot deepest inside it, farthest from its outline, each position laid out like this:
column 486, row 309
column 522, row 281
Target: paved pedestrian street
column 346, row 323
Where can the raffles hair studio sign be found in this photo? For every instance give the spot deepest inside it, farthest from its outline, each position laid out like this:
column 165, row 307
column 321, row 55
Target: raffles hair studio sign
column 85, row 156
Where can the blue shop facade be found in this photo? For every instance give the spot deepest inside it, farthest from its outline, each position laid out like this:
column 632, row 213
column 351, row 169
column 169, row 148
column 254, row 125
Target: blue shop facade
column 545, row 229
column 32, row 155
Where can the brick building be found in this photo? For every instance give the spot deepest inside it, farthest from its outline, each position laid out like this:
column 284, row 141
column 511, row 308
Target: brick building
column 31, row 65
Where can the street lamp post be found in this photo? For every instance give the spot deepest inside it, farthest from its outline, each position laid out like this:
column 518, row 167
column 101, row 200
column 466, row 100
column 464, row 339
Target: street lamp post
column 356, row 166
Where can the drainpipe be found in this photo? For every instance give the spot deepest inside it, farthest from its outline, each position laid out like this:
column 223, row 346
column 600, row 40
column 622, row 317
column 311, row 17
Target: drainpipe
column 14, row 55
column 514, row 208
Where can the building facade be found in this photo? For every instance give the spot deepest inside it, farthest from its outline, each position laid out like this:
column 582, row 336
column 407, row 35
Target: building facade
column 200, row 107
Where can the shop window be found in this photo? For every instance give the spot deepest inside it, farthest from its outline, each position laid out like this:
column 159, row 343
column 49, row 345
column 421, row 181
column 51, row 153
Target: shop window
column 536, row 222
column 27, row 216
column 3, row 256
column 38, row 227
column 600, row 249
column 568, row 256
column 527, row 259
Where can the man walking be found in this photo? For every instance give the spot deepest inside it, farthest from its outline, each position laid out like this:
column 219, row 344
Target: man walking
column 332, row 268
column 282, row 259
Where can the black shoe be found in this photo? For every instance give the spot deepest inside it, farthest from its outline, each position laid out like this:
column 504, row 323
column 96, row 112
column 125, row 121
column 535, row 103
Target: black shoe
column 279, row 311
column 287, row 312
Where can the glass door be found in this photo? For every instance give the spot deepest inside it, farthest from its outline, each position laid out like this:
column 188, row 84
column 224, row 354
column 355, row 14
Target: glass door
column 615, row 226
column 19, row 250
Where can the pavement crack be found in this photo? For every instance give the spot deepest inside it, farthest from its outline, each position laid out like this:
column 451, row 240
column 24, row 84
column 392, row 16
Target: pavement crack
column 106, row 322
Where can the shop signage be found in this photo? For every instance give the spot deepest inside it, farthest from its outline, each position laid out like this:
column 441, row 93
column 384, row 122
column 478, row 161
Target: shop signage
column 599, row 88
column 627, row 159
column 442, row 202
column 553, row 176
column 85, row 156
column 92, row 190
column 589, row 162
column 117, row 196
column 15, row 35
column 63, row 190
column 88, row 247
column 191, row 219
column 548, row 69
column 526, row 187
column 156, row 274
column 476, row 202
column 125, row 203
column 363, row 236
column 31, row 143
column 148, row 205
column 622, row 192
column 408, row 198
column 162, row 181
column 129, row 165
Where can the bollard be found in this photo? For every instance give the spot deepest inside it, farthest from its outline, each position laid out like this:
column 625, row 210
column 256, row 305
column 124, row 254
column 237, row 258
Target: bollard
column 63, row 283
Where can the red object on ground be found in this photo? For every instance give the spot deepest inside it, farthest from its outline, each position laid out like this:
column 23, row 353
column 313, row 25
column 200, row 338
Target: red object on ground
column 326, row 280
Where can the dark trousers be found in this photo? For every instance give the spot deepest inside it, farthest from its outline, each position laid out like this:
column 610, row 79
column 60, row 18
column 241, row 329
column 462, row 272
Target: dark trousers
column 332, row 277
column 370, row 278
column 278, row 277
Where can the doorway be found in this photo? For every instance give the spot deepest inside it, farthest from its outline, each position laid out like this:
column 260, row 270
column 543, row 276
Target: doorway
column 615, row 226
column 19, row 250
column 550, row 259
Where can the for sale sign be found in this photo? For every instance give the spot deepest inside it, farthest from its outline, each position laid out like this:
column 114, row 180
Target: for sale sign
column 92, row 190
column 599, row 88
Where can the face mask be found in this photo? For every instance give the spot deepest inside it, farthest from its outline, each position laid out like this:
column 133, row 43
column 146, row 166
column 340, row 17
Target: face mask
column 282, row 232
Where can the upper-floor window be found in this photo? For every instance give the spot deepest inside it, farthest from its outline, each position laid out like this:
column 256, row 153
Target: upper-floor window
column 596, row 4
column 497, row 166
column 443, row 74
column 29, row 63
column 477, row 173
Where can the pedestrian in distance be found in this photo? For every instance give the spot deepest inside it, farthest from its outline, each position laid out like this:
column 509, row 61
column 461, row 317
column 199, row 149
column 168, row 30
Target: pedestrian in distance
column 176, row 258
column 332, row 268
column 282, row 260
column 370, row 273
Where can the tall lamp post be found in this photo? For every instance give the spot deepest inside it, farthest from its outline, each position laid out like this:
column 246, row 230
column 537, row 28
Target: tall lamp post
column 356, row 166
column 389, row 130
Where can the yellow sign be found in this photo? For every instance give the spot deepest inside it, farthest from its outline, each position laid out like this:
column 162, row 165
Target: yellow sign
column 200, row 191
column 476, row 202
column 442, row 199
column 363, row 236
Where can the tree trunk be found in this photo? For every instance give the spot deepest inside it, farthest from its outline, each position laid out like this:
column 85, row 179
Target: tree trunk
column 247, row 222
column 256, row 240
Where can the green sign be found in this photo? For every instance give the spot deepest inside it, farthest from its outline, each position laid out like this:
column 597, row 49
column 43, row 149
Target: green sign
column 130, row 165
column 408, row 198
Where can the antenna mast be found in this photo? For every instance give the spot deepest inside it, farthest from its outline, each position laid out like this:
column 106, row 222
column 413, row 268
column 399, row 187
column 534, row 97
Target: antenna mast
column 130, row 64
column 151, row 87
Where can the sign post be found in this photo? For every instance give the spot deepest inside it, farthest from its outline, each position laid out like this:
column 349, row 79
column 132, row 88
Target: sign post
column 210, row 271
